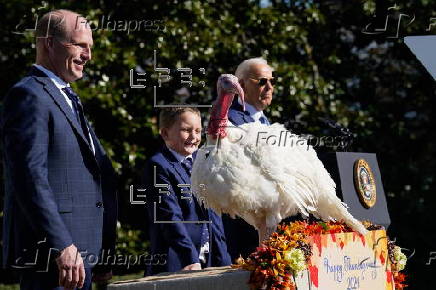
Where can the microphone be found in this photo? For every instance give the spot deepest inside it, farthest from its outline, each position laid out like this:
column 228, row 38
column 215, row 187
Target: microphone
column 345, row 133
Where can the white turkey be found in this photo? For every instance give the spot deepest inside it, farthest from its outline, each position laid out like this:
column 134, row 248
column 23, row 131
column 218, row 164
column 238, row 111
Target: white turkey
column 243, row 171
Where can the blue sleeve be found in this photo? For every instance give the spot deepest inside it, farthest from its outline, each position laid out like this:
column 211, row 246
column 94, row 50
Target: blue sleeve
column 25, row 134
column 168, row 209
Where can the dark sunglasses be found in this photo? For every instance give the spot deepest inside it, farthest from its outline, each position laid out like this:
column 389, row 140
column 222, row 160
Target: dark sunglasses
column 262, row 81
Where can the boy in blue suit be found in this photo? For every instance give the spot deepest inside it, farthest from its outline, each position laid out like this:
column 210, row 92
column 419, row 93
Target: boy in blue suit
column 183, row 234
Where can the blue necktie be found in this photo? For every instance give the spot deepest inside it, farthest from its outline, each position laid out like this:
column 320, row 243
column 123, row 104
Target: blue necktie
column 263, row 120
column 78, row 109
column 187, row 164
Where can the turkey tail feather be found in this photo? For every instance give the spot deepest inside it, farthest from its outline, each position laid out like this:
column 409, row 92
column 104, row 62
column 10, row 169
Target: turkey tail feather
column 338, row 211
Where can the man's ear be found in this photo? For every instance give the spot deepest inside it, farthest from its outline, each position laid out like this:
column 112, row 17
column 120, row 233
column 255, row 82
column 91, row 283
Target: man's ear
column 164, row 133
column 48, row 42
column 241, row 82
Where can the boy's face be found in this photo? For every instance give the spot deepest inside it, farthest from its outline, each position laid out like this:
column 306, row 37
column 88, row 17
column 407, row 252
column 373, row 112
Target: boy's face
column 184, row 135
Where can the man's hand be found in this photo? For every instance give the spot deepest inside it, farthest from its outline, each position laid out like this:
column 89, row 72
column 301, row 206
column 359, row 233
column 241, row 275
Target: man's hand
column 195, row 266
column 71, row 269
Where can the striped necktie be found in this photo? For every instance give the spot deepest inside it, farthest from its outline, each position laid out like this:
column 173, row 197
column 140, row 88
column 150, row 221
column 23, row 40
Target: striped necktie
column 264, row 120
column 78, row 110
column 187, row 164
column 204, row 242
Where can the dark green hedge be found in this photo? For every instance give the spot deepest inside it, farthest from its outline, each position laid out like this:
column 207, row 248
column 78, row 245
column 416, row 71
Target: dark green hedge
column 326, row 67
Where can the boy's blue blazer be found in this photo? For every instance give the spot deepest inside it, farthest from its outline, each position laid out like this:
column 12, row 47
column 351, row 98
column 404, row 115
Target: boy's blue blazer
column 174, row 244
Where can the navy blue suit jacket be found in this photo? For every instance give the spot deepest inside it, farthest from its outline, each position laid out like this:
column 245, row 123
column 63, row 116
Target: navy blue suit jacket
column 173, row 243
column 242, row 238
column 57, row 192
column 237, row 116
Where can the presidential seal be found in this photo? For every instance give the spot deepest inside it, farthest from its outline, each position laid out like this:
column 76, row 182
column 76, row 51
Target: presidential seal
column 364, row 183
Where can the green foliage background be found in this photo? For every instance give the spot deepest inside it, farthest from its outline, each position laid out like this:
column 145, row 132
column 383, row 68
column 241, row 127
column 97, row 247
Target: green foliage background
column 326, row 67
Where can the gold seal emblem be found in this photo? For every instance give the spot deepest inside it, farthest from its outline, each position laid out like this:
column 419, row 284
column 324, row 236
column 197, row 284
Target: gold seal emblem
column 364, row 183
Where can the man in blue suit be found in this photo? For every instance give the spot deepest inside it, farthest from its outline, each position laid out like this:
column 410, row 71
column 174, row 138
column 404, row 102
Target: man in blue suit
column 60, row 205
column 255, row 78
column 183, row 234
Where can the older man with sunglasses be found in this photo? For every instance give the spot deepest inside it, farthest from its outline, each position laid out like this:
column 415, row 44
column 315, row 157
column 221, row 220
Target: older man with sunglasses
column 255, row 77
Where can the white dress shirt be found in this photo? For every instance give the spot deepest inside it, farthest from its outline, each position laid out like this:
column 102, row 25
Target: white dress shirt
column 179, row 156
column 60, row 84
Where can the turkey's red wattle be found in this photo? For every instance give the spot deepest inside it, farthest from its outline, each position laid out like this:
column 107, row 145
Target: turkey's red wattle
column 219, row 116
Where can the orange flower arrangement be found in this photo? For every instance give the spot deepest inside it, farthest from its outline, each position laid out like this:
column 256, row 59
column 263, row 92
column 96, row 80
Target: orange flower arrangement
column 399, row 280
column 287, row 251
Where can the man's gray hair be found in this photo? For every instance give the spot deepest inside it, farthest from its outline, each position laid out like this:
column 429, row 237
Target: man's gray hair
column 244, row 67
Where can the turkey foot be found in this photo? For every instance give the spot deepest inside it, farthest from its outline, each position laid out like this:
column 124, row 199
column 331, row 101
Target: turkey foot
column 265, row 232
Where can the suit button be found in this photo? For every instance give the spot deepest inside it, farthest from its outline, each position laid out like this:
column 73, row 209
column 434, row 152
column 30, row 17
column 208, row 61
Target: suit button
column 99, row 204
